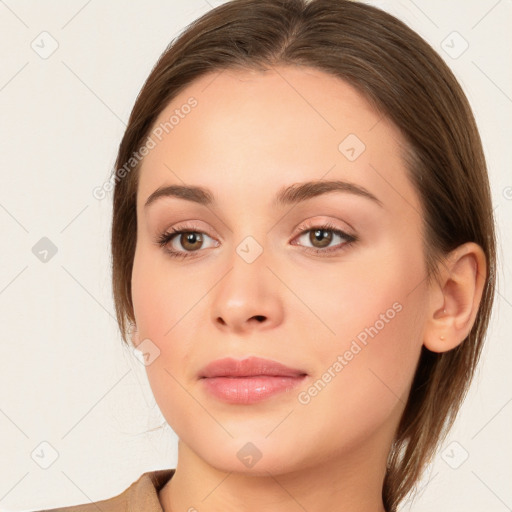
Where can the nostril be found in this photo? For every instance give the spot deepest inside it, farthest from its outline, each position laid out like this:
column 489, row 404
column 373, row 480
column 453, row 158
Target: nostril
column 260, row 318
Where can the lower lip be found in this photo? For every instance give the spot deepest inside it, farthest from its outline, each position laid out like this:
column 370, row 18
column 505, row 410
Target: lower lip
column 248, row 390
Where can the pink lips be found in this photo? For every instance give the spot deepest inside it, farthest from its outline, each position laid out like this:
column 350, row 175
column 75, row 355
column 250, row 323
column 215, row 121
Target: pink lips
column 248, row 380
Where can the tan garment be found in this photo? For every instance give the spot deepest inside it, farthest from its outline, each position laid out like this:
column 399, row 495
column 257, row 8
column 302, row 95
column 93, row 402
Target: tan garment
column 141, row 496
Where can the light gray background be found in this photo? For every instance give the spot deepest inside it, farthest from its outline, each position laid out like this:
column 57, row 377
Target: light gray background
column 65, row 377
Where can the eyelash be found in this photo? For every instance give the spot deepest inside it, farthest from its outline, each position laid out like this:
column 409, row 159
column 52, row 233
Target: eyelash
column 166, row 237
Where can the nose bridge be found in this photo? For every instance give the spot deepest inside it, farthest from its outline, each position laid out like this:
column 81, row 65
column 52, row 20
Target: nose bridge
column 248, row 290
column 250, row 238
column 248, row 263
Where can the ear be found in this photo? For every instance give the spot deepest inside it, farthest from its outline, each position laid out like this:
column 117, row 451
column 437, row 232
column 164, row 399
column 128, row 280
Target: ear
column 454, row 298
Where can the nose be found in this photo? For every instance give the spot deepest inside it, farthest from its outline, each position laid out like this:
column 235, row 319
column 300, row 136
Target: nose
column 248, row 298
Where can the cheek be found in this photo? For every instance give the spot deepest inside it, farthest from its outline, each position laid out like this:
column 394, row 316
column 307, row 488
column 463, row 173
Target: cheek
column 158, row 308
column 365, row 379
column 160, row 298
column 164, row 314
column 376, row 311
column 372, row 295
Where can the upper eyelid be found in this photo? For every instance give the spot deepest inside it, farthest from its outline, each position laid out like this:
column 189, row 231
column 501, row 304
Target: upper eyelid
column 301, row 229
column 303, row 226
column 307, row 224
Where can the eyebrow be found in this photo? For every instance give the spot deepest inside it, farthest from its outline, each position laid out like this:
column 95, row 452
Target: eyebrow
column 289, row 195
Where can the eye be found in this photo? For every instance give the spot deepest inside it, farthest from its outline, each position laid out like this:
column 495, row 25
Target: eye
column 321, row 237
column 189, row 238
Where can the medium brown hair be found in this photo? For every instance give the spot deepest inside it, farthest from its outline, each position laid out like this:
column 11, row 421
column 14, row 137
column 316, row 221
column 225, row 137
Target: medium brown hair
column 404, row 79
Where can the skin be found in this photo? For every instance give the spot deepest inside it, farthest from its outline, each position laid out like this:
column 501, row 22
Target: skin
column 251, row 134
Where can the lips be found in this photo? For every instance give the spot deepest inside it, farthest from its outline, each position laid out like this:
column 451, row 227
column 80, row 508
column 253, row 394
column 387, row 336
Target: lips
column 249, row 381
column 249, row 367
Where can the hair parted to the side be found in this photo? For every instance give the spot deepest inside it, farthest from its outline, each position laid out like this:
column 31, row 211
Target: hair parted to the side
column 404, row 79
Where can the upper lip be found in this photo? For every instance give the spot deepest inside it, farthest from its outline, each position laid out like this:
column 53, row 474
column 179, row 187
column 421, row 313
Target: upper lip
column 251, row 366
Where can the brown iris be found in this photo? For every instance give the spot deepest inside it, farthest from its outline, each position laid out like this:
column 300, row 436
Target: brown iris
column 318, row 235
column 188, row 240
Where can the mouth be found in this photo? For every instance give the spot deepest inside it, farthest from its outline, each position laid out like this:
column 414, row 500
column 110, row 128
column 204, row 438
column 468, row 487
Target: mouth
column 249, row 380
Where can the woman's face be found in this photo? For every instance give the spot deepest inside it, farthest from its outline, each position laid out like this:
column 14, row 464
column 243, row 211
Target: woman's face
column 259, row 278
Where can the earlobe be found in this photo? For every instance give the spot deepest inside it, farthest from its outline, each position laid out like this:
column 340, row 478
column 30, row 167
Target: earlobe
column 455, row 298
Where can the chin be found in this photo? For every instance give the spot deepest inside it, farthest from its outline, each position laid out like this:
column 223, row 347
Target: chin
column 252, row 455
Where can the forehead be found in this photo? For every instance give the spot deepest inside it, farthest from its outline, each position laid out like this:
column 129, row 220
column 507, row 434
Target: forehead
column 261, row 130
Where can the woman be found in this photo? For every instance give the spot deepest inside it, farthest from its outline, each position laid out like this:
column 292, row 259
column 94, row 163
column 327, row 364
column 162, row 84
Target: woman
column 304, row 252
